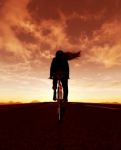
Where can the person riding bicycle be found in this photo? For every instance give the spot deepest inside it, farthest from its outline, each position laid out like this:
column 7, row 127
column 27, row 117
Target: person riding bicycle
column 60, row 64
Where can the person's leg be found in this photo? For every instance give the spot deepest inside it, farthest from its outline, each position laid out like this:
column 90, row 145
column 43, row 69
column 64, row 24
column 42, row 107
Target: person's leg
column 54, row 88
column 65, row 88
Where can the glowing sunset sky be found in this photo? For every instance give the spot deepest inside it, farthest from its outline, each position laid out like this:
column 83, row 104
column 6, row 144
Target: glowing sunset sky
column 32, row 30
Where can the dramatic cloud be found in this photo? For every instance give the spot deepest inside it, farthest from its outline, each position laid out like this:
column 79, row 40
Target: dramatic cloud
column 36, row 29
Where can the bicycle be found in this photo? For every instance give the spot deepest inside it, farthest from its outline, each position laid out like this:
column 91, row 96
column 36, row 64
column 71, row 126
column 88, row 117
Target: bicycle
column 59, row 94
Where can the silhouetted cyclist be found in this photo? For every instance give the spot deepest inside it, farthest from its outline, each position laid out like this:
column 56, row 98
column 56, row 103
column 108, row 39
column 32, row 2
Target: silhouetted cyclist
column 60, row 64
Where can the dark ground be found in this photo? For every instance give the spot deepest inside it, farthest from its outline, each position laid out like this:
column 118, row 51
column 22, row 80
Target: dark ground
column 84, row 127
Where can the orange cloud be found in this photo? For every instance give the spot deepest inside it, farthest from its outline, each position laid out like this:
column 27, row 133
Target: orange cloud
column 27, row 39
column 106, row 45
column 116, row 83
column 11, row 15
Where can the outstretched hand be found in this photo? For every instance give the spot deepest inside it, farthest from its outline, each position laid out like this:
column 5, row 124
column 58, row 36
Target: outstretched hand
column 78, row 53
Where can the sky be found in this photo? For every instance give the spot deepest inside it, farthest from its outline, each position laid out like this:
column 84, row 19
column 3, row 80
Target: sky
column 32, row 30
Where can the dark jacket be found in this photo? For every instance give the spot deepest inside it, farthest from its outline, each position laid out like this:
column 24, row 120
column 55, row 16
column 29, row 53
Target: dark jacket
column 59, row 65
column 60, row 62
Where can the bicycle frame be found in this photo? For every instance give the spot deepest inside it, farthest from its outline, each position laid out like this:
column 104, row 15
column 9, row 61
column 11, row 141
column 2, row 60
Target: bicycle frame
column 59, row 90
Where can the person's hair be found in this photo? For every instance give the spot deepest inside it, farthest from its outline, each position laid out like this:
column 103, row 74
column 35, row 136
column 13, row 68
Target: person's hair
column 59, row 54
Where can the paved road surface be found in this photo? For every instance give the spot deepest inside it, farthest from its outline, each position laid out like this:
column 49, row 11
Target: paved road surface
column 36, row 127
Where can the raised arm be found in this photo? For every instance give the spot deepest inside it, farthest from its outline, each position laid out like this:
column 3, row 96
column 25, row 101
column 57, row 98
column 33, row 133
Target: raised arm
column 72, row 55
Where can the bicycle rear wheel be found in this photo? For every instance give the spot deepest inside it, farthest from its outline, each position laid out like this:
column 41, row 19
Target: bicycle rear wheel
column 61, row 110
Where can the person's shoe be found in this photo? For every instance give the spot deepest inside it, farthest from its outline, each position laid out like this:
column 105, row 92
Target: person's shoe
column 65, row 100
column 54, row 98
column 54, row 95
